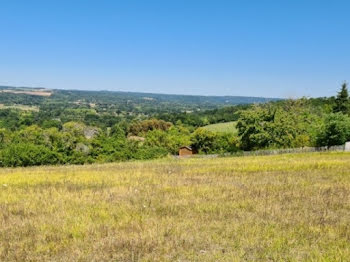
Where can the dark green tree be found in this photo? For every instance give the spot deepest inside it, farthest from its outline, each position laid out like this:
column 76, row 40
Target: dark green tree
column 335, row 130
column 342, row 102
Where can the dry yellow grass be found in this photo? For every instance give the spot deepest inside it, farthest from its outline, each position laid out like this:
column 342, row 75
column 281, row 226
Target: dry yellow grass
column 267, row 208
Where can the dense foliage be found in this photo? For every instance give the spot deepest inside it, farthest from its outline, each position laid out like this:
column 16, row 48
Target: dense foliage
column 296, row 123
column 77, row 127
column 289, row 124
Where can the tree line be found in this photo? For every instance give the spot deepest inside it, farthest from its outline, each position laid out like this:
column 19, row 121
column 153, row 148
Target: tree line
column 296, row 123
column 81, row 136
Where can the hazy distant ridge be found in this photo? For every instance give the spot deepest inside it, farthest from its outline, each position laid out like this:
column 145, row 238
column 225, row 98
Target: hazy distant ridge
column 172, row 98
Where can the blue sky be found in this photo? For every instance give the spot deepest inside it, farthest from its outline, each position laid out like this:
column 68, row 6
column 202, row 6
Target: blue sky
column 277, row 48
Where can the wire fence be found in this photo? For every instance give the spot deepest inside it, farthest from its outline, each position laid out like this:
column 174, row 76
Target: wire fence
column 292, row 150
column 267, row 152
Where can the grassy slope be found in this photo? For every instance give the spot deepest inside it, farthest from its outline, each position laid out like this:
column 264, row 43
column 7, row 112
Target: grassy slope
column 227, row 127
column 21, row 107
column 287, row 207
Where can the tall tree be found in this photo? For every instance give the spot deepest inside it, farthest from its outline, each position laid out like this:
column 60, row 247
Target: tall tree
column 342, row 102
column 334, row 131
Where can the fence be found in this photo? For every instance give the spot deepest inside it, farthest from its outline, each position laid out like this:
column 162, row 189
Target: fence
column 292, row 150
column 276, row 151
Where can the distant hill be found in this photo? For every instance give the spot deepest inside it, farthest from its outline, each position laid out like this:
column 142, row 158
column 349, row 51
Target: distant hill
column 182, row 102
column 24, row 106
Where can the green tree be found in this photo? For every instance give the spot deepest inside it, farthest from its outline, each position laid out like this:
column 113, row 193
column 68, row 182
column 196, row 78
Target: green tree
column 31, row 134
column 342, row 102
column 284, row 125
column 4, row 137
column 335, row 130
column 203, row 140
column 147, row 125
column 254, row 127
column 171, row 139
column 225, row 143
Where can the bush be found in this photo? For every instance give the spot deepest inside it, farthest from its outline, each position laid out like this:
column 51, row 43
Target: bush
column 147, row 152
column 27, row 155
column 147, row 125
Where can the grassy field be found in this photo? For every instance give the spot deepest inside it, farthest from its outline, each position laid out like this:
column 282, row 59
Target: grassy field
column 267, row 208
column 20, row 107
column 228, row 127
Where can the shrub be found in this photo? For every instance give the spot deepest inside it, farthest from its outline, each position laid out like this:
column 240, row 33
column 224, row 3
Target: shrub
column 27, row 155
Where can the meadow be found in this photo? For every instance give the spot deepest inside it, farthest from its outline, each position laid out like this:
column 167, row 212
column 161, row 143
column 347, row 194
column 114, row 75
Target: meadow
column 227, row 127
column 20, row 107
column 292, row 207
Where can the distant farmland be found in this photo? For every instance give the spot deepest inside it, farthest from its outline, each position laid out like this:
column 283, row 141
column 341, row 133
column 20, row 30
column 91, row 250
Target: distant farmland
column 28, row 92
column 271, row 208
column 228, row 127
column 20, row 107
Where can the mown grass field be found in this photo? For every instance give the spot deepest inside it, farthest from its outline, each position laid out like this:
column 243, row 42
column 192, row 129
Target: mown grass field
column 228, row 127
column 267, row 208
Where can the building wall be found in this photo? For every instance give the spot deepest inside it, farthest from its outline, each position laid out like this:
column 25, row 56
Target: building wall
column 185, row 152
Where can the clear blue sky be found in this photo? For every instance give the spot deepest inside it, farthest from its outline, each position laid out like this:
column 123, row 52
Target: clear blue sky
column 281, row 48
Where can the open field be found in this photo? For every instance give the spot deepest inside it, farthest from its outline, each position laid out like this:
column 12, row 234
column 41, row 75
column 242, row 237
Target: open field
column 228, row 127
column 30, row 92
column 21, row 107
column 267, row 208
